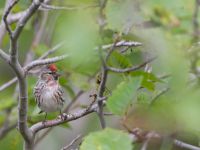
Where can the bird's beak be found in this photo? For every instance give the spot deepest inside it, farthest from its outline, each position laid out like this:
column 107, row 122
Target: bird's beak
column 56, row 75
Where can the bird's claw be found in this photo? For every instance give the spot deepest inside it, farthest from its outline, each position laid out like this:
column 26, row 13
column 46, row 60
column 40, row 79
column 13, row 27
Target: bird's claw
column 62, row 116
column 43, row 122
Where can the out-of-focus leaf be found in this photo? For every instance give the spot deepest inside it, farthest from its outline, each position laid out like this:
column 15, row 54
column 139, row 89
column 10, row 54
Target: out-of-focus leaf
column 12, row 142
column 120, row 15
column 69, row 90
column 40, row 49
column 7, row 103
column 66, row 125
column 120, row 60
column 148, row 84
column 147, row 75
column 123, row 95
column 80, row 33
column 108, row 139
column 80, row 81
column 143, row 97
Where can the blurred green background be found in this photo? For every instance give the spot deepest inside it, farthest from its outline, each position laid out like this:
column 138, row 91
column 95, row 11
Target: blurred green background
column 166, row 28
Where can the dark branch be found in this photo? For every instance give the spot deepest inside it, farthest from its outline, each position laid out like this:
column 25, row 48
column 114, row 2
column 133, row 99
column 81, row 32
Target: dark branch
column 134, row 68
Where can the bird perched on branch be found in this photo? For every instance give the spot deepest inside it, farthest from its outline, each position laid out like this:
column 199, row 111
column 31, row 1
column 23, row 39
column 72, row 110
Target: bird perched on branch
column 48, row 92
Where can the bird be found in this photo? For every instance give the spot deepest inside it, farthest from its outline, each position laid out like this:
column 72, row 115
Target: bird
column 48, row 92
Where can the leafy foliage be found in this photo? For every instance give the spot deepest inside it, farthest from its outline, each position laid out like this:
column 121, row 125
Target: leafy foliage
column 123, row 95
column 107, row 139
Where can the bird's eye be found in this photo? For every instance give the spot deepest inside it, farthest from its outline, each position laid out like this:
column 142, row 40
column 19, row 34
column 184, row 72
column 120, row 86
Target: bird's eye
column 45, row 76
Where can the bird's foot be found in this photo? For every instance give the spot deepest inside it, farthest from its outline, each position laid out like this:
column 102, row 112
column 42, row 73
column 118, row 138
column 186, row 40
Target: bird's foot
column 44, row 121
column 62, row 116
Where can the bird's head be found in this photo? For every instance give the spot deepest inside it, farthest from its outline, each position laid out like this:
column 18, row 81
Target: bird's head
column 49, row 73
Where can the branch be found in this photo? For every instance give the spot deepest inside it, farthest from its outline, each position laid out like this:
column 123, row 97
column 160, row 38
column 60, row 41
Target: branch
column 72, row 143
column 46, row 61
column 134, row 68
column 52, row 7
column 12, row 81
column 4, row 56
column 195, row 19
column 29, row 12
column 68, row 117
column 122, row 44
column 138, row 136
column 40, row 138
column 51, row 51
column 66, row 110
column 104, row 71
column 5, row 130
column 6, row 15
column 158, row 95
column 184, row 145
column 6, row 127
column 15, row 17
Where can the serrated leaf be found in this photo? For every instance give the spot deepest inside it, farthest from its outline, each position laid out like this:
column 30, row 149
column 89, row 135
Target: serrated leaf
column 146, row 75
column 123, row 95
column 121, row 60
column 108, row 139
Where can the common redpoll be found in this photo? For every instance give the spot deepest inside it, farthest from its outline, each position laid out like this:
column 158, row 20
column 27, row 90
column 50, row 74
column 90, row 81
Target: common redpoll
column 48, row 92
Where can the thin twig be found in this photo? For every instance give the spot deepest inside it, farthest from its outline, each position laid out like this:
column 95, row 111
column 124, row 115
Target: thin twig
column 104, row 71
column 184, row 145
column 123, row 44
column 71, row 143
column 66, row 110
column 40, row 138
column 12, row 81
column 158, row 95
column 52, row 7
column 51, row 51
column 46, row 61
column 195, row 19
column 6, row 15
column 134, row 68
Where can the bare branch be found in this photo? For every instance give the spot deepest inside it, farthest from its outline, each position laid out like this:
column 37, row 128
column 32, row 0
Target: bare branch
column 182, row 144
column 153, row 134
column 15, row 17
column 51, row 51
column 66, row 110
column 29, row 12
column 12, row 81
column 7, row 84
column 46, row 132
column 6, row 15
column 51, row 7
column 104, row 71
column 158, row 95
column 122, row 44
column 68, row 117
column 4, row 56
column 44, row 62
column 134, row 68
column 195, row 19
column 5, row 130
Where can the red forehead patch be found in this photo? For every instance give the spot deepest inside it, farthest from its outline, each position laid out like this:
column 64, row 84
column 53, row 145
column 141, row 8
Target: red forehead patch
column 52, row 67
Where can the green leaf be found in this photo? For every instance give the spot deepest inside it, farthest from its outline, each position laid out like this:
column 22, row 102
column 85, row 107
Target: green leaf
column 108, row 139
column 146, row 75
column 7, row 103
column 148, row 85
column 123, row 95
column 120, row 60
